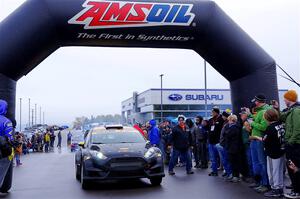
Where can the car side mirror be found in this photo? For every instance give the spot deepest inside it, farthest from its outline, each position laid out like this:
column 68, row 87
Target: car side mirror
column 81, row 144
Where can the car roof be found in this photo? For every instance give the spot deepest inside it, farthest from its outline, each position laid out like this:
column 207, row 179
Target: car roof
column 103, row 129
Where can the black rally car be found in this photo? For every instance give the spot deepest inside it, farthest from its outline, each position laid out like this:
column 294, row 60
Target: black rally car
column 116, row 152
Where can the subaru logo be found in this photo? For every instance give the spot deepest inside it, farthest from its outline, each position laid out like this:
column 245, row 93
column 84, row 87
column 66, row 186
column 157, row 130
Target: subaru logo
column 175, row 97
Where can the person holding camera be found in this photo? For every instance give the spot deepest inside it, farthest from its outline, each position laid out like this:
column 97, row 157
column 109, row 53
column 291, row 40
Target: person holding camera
column 258, row 126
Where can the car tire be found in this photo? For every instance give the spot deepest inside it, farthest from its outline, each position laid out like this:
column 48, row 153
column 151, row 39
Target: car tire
column 156, row 181
column 84, row 183
column 78, row 172
column 7, row 182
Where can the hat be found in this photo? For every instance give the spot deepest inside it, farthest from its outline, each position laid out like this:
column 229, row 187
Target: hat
column 216, row 109
column 226, row 113
column 291, row 95
column 181, row 116
column 199, row 117
column 259, row 98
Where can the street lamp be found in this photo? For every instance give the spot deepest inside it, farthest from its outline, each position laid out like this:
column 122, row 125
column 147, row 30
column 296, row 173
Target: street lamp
column 161, row 97
column 35, row 114
column 40, row 115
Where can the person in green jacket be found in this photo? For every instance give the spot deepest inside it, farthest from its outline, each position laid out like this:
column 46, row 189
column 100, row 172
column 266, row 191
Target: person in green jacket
column 291, row 117
column 258, row 126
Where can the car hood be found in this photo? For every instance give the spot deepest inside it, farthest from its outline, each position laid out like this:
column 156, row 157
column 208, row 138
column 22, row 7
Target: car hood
column 123, row 149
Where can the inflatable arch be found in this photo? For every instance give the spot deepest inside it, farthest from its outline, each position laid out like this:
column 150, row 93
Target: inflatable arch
column 39, row 27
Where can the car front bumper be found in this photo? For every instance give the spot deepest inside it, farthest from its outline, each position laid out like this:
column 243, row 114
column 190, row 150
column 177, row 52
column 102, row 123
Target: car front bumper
column 123, row 168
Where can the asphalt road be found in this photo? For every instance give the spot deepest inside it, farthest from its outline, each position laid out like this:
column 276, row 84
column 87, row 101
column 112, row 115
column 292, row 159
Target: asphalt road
column 52, row 176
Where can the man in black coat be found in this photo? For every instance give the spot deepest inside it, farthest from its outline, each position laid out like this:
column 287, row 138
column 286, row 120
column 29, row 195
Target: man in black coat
column 215, row 125
column 233, row 145
column 200, row 144
column 181, row 139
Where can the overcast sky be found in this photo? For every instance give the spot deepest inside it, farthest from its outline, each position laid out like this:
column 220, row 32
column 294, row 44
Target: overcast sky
column 83, row 81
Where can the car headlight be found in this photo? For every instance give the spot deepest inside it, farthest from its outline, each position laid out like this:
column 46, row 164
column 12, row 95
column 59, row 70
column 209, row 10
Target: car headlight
column 153, row 152
column 99, row 155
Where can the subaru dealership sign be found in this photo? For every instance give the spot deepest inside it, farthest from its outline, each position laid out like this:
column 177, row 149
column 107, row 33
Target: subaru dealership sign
column 196, row 97
column 175, row 97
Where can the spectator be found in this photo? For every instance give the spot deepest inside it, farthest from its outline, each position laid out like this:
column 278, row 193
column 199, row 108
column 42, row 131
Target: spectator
column 259, row 162
column 59, row 139
column 296, row 174
column 200, row 144
column 6, row 132
column 221, row 147
column 18, row 149
column 191, row 126
column 181, row 138
column 69, row 139
column 52, row 140
column 246, row 132
column 165, row 133
column 47, row 141
column 291, row 118
column 274, row 148
column 215, row 125
column 39, row 142
column 233, row 144
column 154, row 135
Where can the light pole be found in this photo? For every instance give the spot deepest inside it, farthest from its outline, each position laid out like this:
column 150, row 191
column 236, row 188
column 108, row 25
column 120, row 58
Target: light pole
column 35, row 114
column 43, row 118
column 29, row 112
column 161, row 97
column 40, row 115
column 32, row 117
column 205, row 88
column 20, row 114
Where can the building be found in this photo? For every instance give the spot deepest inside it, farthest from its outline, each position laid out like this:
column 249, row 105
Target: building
column 189, row 102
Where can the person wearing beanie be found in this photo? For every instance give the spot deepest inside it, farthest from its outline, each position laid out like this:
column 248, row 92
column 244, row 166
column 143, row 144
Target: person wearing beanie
column 215, row 125
column 291, row 117
column 259, row 161
column 291, row 96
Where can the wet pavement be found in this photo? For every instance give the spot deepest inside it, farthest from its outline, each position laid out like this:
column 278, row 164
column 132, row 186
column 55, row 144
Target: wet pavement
column 52, row 176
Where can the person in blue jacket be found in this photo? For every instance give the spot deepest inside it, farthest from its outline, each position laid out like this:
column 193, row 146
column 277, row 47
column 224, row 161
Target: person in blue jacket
column 6, row 126
column 154, row 134
column 6, row 151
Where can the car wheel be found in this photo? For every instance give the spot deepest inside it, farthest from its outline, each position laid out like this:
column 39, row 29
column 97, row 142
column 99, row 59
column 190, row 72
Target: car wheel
column 78, row 172
column 84, row 182
column 156, row 181
column 7, row 180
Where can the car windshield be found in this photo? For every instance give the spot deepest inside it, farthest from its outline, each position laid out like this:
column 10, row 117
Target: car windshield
column 78, row 138
column 113, row 137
